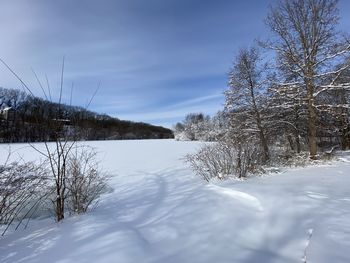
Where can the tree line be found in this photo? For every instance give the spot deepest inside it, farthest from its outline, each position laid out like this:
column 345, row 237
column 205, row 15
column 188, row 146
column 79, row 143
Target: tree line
column 200, row 127
column 29, row 119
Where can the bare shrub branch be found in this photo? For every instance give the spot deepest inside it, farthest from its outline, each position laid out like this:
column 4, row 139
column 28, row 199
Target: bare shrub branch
column 86, row 181
column 224, row 159
column 22, row 187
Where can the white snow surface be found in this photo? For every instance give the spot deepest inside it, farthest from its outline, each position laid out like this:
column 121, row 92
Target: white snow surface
column 160, row 211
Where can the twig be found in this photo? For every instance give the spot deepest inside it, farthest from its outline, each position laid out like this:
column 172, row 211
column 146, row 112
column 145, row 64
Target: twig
column 310, row 232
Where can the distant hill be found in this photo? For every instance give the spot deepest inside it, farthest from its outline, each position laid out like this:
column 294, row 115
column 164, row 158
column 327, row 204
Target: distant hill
column 24, row 118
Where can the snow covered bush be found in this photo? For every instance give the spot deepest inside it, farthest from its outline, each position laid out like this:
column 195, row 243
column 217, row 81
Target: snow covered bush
column 248, row 158
column 224, row 159
column 85, row 180
column 23, row 186
column 213, row 161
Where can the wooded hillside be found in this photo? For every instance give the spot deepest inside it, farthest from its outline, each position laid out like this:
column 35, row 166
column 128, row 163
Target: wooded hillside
column 24, row 118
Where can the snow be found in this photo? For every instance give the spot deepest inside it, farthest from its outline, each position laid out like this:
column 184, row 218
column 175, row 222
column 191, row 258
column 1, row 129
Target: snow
column 160, row 211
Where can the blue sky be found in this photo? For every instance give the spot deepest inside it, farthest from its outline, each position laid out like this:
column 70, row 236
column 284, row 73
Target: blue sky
column 157, row 60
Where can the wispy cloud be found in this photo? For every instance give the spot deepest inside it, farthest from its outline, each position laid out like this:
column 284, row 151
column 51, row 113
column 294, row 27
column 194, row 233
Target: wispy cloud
column 210, row 105
column 156, row 60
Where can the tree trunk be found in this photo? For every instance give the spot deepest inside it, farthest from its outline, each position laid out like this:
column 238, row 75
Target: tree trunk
column 297, row 141
column 296, row 130
column 344, row 117
column 266, row 155
column 291, row 143
column 263, row 141
column 345, row 138
column 59, row 209
column 312, row 117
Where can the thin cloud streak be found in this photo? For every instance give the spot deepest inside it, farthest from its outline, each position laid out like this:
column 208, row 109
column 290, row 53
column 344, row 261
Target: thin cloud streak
column 213, row 105
column 150, row 56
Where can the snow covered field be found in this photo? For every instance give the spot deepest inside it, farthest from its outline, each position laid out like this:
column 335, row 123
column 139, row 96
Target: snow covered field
column 160, row 211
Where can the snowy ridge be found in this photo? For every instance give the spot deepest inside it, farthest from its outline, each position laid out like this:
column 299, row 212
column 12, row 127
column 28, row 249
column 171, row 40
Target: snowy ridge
column 242, row 197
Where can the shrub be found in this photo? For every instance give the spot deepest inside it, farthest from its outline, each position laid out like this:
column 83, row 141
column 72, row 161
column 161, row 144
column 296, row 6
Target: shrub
column 85, row 180
column 213, row 161
column 224, row 159
column 23, row 186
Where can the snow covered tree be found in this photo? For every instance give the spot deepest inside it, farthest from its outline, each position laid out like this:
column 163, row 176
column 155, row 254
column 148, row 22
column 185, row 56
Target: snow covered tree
column 196, row 126
column 219, row 125
column 308, row 46
column 287, row 115
column 344, row 112
column 245, row 96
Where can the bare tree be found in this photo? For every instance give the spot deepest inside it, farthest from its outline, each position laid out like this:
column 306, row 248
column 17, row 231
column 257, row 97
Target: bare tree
column 57, row 153
column 59, row 146
column 307, row 45
column 245, row 97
